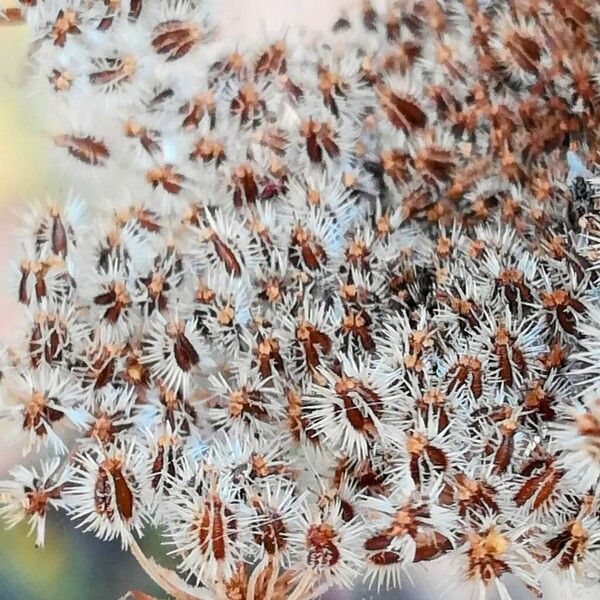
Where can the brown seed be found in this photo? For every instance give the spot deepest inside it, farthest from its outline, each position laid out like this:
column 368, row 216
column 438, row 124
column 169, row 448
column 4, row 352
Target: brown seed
column 525, row 50
column 505, row 365
column 64, row 25
column 378, row 542
column 102, row 494
column 185, row 354
column 123, row 494
column 322, row 549
column 23, row 294
column 175, row 38
column 59, row 235
column 401, row 112
column 218, row 530
column 272, row 535
column 86, row 149
column 123, row 71
column 504, row 453
column 384, row 558
column 430, row 545
column 104, row 377
column 226, row 254
column 272, row 61
column 135, row 9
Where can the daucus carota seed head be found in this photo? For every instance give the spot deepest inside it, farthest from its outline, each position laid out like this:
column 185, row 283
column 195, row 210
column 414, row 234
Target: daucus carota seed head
column 340, row 318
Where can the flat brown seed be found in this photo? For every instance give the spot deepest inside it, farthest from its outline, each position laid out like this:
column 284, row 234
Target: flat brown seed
column 124, row 496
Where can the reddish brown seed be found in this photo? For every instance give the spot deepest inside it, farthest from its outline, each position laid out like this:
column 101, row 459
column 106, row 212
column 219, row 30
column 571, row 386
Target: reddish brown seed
column 576, row 305
column 347, row 511
column 415, row 470
column 291, row 88
column 105, row 23
column 430, row 545
column 477, row 383
column 369, row 16
column 246, row 104
column 570, row 544
column 382, row 559
column 519, row 360
column 245, row 185
column 566, row 320
column 106, row 298
column 225, row 253
column 113, row 312
column 476, row 495
column 218, row 530
column 322, row 549
column 329, row 144
column 312, row 147
column 51, row 350
column 366, row 338
column 148, row 220
column 123, row 71
column 207, row 150
column 529, row 488
column 35, row 345
column 64, row 25
column 354, row 415
column 123, row 494
column 436, row 456
column 40, row 285
column 436, row 163
column 558, row 543
column 378, row 542
column 312, row 253
column 171, row 181
column 88, row 150
column 309, row 256
column 459, row 378
column 525, row 50
column 105, row 375
column 504, row 454
column 576, row 12
column 272, row 534
column 135, row 9
column 148, row 144
column 504, row 363
column 204, row 528
column 58, row 236
column 193, row 116
column 402, row 113
column 185, row 354
column 310, row 339
column 102, row 494
column 175, row 38
column 272, row 61
column 547, row 488
column 23, row 294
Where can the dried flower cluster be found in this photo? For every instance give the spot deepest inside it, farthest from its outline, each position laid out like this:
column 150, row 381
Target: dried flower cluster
column 342, row 316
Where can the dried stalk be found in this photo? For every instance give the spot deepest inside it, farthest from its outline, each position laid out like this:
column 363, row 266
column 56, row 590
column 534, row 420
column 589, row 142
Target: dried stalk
column 167, row 579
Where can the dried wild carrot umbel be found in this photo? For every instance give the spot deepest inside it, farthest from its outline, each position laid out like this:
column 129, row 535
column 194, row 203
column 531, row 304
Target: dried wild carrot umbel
column 320, row 314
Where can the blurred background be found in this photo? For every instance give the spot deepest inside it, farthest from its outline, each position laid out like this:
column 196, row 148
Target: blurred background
column 74, row 565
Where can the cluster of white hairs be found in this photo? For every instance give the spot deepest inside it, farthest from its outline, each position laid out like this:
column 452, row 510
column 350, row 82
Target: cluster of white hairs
column 336, row 313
